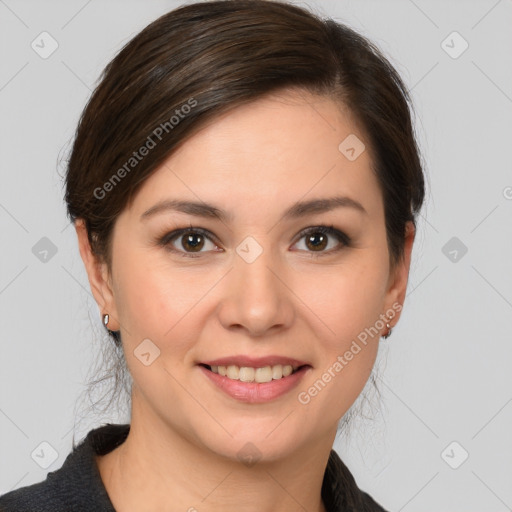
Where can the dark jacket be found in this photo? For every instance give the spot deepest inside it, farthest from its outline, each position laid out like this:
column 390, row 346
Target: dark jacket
column 77, row 485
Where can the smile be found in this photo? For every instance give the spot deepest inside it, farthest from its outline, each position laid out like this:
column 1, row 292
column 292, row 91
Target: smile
column 254, row 384
column 250, row 374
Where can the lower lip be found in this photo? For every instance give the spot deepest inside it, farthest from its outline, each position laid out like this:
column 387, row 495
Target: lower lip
column 255, row 392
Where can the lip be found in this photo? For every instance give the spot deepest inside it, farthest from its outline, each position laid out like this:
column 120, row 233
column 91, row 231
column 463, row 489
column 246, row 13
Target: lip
column 255, row 392
column 254, row 362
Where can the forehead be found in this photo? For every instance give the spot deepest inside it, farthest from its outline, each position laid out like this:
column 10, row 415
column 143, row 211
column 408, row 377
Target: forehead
column 275, row 151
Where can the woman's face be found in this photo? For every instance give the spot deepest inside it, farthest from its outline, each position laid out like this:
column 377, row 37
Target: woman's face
column 246, row 286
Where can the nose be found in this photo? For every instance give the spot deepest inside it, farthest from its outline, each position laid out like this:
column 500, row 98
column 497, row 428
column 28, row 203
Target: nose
column 256, row 297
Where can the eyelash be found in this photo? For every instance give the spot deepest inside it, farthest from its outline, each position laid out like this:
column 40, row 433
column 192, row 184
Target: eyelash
column 166, row 240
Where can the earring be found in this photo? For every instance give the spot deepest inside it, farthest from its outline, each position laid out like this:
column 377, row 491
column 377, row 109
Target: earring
column 390, row 330
column 114, row 334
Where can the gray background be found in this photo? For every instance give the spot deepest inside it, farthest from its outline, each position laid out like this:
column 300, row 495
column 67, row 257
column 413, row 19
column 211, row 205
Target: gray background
column 445, row 371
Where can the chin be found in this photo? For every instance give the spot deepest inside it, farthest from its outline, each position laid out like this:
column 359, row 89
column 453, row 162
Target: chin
column 260, row 441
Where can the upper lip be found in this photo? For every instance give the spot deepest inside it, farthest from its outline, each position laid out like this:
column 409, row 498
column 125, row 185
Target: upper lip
column 254, row 362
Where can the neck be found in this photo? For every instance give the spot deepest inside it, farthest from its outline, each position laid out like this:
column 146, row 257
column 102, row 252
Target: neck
column 156, row 467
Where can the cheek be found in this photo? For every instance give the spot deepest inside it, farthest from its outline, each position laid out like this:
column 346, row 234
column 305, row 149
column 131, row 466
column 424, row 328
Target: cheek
column 155, row 305
column 349, row 304
column 145, row 292
column 347, row 298
column 163, row 305
column 143, row 298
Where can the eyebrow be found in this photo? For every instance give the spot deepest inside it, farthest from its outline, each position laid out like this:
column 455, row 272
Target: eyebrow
column 297, row 210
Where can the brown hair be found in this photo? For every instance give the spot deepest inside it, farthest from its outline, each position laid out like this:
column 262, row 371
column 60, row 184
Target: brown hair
column 203, row 59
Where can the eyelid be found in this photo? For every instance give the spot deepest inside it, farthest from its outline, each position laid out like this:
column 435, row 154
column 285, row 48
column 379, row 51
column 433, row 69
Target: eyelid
column 326, row 229
column 168, row 237
column 165, row 241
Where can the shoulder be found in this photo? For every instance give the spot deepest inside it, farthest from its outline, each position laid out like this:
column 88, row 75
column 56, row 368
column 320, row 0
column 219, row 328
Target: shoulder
column 340, row 491
column 39, row 497
column 77, row 485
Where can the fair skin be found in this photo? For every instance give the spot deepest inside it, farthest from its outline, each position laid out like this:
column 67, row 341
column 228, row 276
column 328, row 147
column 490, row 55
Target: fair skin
column 254, row 163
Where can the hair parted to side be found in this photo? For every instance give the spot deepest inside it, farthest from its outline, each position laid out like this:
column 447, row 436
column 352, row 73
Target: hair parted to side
column 203, row 59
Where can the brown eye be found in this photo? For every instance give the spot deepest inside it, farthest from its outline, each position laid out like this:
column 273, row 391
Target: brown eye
column 188, row 241
column 192, row 241
column 317, row 239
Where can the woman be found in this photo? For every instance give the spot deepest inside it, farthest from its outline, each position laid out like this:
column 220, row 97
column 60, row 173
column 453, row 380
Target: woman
column 244, row 184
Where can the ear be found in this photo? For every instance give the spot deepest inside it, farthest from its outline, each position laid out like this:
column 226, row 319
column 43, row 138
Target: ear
column 397, row 285
column 99, row 277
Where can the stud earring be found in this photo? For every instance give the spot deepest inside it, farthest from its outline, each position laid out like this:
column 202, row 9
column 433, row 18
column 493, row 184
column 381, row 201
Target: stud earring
column 390, row 330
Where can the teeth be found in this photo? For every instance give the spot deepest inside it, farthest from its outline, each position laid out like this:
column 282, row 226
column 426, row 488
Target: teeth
column 277, row 371
column 233, row 372
column 263, row 374
column 248, row 374
column 287, row 370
